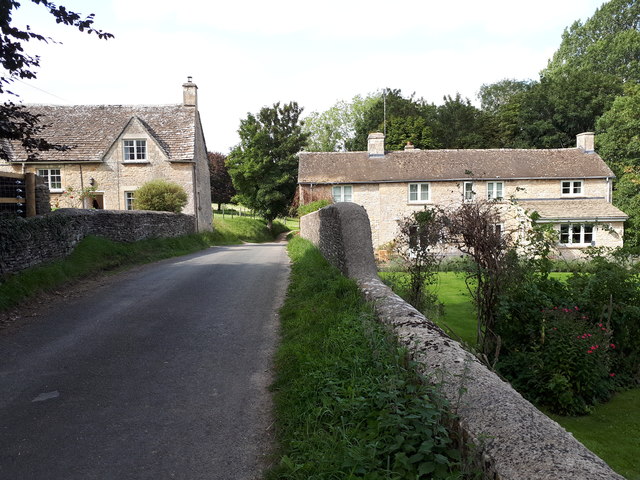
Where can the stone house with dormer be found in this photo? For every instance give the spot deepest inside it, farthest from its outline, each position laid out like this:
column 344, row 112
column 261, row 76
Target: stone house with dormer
column 569, row 188
column 116, row 149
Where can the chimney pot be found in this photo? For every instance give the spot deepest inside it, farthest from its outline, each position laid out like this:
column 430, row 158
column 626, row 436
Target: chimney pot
column 586, row 141
column 189, row 93
column 375, row 144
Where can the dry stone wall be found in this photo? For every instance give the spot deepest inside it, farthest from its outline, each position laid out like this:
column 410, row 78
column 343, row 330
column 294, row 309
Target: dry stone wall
column 27, row 242
column 513, row 439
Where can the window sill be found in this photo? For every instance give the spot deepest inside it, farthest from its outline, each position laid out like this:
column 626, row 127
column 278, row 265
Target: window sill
column 135, row 162
column 56, row 190
column 422, row 202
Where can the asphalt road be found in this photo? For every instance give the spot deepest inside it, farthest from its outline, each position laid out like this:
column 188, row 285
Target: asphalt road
column 161, row 372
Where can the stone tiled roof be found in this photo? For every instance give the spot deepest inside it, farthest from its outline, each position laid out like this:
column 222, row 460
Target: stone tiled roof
column 440, row 165
column 574, row 209
column 92, row 130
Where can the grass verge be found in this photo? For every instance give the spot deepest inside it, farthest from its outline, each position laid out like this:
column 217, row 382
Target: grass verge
column 349, row 404
column 96, row 254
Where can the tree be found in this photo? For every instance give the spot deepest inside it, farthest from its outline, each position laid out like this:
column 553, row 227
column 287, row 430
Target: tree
column 460, row 125
column 417, row 245
column 618, row 142
column 607, row 43
column 222, row 190
column 16, row 123
column 412, row 129
column 475, row 228
column 392, row 105
column 496, row 96
column 264, row 166
column 161, row 196
column 329, row 131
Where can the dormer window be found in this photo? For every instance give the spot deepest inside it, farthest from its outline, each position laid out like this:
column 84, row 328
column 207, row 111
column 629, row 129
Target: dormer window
column 572, row 187
column 135, row 150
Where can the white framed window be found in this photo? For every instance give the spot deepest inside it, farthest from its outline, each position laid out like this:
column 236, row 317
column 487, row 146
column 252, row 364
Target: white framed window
column 419, row 193
column 497, row 229
column 468, row 193
column 135, row 150
column 52, row 178
column 129, row 199
column 342, row 193
column 495, row 190
column 577, row 234
column 572, row 187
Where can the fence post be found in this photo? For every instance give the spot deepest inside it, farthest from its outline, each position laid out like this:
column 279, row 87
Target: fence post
column 30, row 184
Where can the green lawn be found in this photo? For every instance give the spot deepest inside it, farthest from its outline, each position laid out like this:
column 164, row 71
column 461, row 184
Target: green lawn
column 612, row 431
column 459, row 319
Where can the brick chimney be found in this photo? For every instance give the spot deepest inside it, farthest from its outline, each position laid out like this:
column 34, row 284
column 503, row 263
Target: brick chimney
column 409, row 147
column 375, row 144
column 586, row 141
column 189, row 93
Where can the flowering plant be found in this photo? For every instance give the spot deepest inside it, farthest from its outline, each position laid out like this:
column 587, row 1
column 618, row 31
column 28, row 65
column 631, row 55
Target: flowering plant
column 574, row 360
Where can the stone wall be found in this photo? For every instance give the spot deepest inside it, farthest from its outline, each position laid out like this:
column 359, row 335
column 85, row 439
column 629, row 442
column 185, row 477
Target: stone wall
column 43, row 197
column 514, row 440
column 27, row 242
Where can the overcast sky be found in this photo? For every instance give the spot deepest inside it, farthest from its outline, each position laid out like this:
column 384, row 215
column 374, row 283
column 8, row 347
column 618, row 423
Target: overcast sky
column 246, row 54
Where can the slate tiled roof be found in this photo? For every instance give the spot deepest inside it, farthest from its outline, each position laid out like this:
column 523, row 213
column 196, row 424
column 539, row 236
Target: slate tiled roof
column 440, row 165
column 92, row 129
column 587, row 210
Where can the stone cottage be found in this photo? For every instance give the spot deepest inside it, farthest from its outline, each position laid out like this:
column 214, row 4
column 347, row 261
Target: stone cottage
column 116, row 149
column 570, row 188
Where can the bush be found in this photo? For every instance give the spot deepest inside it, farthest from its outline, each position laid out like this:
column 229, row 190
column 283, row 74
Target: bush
column 161, row 196
column 610, row 290
column 312, row 207
column 568, row 368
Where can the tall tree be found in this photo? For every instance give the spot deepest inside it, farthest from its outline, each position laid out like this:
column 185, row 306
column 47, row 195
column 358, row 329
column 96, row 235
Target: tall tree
column 393, row 105
column 264, row 166
column 222, row 190
column 329, row 131
column 496, row 96
column 607, row 43
column 460, row 125
column 16, row 123
column 618, row 141
column 560, row 106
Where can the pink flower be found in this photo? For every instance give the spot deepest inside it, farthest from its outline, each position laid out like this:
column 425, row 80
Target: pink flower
column 589, row 351
column 612, row 374
column 612, row 346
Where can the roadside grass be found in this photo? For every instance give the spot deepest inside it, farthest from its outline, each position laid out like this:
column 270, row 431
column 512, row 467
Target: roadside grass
column 96, row 254
column 611, row 431
column 348, row 402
